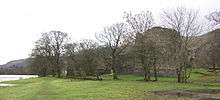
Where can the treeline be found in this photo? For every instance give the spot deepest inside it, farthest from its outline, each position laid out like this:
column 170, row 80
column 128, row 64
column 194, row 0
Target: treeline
column 15, row 71
column 131, row 45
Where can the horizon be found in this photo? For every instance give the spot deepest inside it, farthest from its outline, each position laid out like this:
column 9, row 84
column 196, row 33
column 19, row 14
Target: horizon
column 23, row 21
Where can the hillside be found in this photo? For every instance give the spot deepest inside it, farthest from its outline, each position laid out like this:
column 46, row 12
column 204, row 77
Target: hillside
column 16, row 63
column 16, row 67
column 213, row 34
column 209, row 49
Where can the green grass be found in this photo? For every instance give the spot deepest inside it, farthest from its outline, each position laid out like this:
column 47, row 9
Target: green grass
column 129, row 87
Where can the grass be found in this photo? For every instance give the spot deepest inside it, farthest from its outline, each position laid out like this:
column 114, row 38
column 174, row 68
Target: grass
column 129, row 87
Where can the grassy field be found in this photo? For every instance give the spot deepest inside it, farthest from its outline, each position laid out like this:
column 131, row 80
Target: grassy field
column 129, row 87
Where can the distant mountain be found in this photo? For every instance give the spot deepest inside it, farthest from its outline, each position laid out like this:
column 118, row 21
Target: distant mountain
column 16, row 64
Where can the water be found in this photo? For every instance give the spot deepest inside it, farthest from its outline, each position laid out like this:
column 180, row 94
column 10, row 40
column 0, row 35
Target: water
column 14, row 77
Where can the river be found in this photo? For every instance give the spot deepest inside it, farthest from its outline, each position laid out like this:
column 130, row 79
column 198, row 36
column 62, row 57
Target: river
column 14, row 77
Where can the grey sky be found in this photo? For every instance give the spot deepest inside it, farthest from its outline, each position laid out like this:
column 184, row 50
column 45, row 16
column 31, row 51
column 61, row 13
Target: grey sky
column 22, row 21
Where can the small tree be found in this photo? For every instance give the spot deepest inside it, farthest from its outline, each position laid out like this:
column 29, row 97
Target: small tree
column 51, row 47
column 82, row 59
column 42, row 57
column 87, row 57
column 116, row 38
column 185, row 22
column 58, row 40
column 41, row 65
column 70, row 58
column 145, row 43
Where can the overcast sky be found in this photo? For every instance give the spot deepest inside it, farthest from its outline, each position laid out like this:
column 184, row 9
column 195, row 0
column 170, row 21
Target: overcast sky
column 22, row 21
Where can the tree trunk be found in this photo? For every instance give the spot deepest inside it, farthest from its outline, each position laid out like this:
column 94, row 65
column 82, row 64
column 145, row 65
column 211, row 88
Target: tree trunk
column 43, row 72
column 178, row 75
column 155, row 73
column 185, row 74
column 155, row 70
column 59, row 72
column 53, row 73
column 113, row 68
column 146, row 74
column 146, row 70
column 114, row 74
column 68, row 72
column 214, row 67
column 58, row 69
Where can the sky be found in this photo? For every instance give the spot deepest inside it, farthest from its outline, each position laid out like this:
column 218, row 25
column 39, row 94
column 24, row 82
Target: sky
column 23, row 21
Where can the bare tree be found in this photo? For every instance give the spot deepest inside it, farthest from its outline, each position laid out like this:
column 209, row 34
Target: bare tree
column 145, row 42
column 58, row 40
column 40, row 66
column 51, row 46
column 42, row 56
column 185, row 22
column 88, row 57
column 139, row 22
column 117, row 39
column 70, row 58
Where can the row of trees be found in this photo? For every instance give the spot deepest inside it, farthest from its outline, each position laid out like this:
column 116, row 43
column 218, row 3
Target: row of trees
column 134, row 42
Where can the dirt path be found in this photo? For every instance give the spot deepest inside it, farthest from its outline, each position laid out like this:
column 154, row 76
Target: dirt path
column 196, row 95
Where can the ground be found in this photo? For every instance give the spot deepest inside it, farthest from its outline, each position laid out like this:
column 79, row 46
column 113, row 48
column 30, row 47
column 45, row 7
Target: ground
column 203, row 86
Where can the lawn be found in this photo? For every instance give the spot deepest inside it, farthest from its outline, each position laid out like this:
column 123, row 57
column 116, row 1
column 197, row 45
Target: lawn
column 129, row 87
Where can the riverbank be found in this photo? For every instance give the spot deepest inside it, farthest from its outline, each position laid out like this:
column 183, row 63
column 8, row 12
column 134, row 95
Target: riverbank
column 15, row 77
